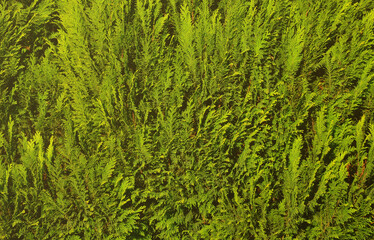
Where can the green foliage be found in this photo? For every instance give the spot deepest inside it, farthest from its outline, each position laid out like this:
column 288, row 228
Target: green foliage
column 155, row 119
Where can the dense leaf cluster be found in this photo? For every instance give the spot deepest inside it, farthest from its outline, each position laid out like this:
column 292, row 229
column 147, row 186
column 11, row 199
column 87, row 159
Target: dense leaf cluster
column 186, row 119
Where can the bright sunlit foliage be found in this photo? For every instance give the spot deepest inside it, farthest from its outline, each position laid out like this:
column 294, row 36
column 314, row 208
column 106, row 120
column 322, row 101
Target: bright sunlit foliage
column 186, row 119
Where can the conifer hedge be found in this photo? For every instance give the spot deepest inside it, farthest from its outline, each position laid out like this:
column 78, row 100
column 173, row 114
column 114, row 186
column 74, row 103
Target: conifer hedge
column 186, row 119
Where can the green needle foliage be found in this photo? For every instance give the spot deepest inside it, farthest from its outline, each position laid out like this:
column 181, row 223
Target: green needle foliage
column 186, row 119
